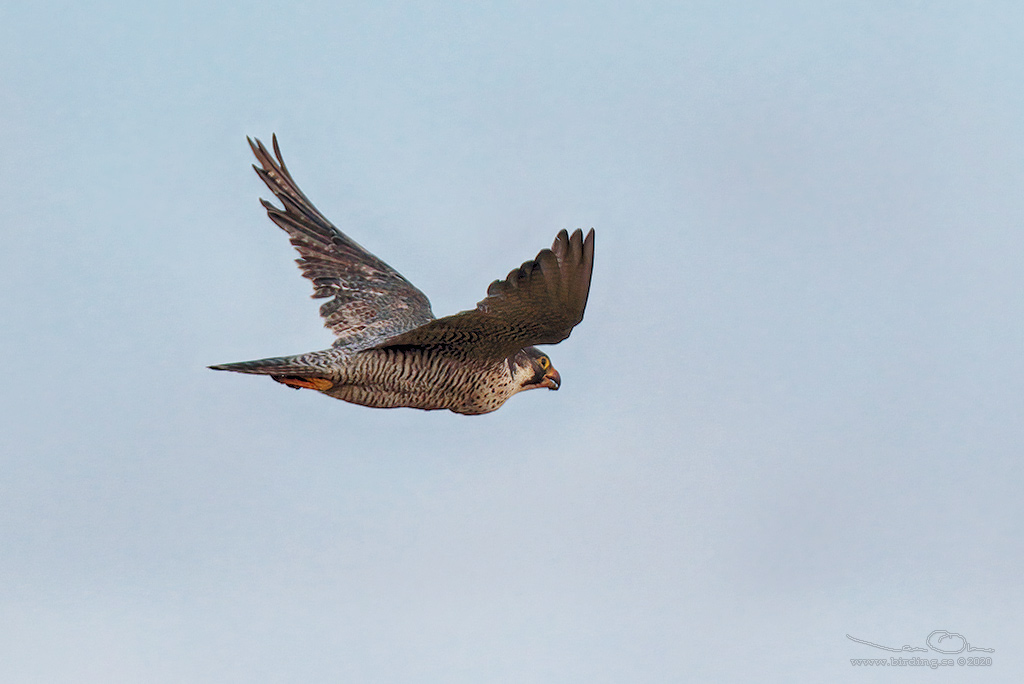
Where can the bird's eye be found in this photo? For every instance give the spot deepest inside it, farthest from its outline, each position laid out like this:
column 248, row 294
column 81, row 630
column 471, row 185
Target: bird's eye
column 544, row 363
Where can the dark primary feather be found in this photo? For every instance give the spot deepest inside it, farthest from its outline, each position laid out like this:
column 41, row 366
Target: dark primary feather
column 538, row 303
column 370, row 301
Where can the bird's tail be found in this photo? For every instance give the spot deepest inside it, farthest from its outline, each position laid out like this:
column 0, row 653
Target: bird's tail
column 303, row 370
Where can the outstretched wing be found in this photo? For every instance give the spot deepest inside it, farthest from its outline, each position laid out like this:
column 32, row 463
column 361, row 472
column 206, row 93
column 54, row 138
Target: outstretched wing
column 370, row 301
column 538, row 303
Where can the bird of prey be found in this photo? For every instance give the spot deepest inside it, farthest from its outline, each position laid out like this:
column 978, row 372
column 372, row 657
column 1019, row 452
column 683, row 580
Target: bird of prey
column 389, row 349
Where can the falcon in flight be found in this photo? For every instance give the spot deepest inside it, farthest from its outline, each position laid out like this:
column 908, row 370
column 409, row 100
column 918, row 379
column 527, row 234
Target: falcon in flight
column 390, row 351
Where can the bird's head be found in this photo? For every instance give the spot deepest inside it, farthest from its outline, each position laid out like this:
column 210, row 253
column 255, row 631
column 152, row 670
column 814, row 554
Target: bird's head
column 531, row 369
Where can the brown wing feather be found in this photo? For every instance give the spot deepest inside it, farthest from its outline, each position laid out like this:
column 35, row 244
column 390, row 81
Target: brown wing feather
column 370, row 301
column 538, row 303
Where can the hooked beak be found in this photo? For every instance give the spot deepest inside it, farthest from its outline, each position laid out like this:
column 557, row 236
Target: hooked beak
column 552, row 380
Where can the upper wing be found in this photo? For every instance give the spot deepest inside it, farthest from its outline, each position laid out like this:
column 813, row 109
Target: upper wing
column 538, row 303
column 370, row 300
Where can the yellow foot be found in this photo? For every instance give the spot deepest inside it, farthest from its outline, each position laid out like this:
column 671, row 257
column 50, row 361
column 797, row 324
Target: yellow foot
column 319, row 384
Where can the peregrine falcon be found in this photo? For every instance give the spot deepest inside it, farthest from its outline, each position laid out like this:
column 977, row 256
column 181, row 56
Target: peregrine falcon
column 389, row 349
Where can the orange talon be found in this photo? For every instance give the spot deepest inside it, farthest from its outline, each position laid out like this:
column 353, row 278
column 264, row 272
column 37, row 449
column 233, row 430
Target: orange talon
column 319, row 384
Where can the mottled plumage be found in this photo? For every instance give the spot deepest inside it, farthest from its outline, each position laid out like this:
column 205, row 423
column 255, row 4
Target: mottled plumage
column 389, row 349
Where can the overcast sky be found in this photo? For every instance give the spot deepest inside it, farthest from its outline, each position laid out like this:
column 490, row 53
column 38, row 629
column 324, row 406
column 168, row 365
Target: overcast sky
column 791, row 414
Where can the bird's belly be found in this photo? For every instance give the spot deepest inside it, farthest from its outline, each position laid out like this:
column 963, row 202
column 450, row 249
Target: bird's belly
column 393, row 378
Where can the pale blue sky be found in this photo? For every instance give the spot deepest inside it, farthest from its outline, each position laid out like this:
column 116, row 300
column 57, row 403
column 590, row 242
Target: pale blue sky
column 792, row 412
